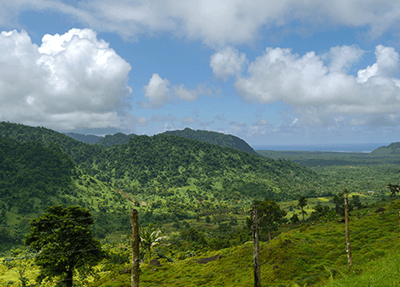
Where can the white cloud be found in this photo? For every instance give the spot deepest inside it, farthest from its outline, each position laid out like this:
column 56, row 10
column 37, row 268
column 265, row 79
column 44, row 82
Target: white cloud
column 182, row 93
column 71, row 80
column 168, row 127
column 188, row 120
column 227, row 62
column 316, row 92
column 341, row 58
column 143, row 121
column 387, row 65
column 157, row 93
column 237, row 127
column 214, row 22
column 294, row 122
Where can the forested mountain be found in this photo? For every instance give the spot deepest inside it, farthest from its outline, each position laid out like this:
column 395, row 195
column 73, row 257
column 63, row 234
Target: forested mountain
column 213, row 138
column 391, row 150
column 118, row 138
column 166, row 177
column 168, row 161
column 80, row 152
column 90, row 139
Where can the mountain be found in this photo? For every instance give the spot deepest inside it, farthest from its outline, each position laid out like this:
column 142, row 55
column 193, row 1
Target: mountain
column 118, row 138
column 166, row 177
column 168, row 161
column 79, row 152
column 392, row 150
column 213, row 138
column 90, row 139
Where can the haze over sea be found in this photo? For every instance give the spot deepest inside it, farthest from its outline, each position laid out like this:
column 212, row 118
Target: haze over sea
column 352, row 147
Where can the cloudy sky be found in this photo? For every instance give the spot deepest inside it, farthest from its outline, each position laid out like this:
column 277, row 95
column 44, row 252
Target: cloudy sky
column 271, row 72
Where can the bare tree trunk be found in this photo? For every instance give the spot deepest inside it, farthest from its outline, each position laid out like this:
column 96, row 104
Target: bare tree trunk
column 135, row 248
column 69, row 278
column 256, row 246
column 346, row 220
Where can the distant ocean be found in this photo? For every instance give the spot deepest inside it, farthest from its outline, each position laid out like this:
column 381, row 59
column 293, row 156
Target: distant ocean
column 361, row 147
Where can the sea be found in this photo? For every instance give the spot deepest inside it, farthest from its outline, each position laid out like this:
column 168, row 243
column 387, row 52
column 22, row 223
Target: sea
column 352, row 147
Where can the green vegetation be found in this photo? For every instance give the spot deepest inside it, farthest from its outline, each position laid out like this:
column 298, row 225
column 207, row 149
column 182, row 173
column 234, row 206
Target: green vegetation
column 64, row 243
column 213, row 138
column 194, row 200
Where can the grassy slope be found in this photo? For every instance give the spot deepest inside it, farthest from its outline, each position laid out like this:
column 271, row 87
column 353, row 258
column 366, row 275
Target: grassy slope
column 300, row 255
column 307, row 254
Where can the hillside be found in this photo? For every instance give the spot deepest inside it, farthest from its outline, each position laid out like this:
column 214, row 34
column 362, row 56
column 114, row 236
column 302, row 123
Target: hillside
column 213, row 138
column 90, row 139
column 117, row 138
column 392, row 150
column 168, row 178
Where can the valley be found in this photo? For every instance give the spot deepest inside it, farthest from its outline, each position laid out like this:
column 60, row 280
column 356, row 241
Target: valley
column 199, row 193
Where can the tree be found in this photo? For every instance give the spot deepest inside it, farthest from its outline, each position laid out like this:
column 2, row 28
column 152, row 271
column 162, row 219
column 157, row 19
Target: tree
column 65, row 243
column 394, row 188
column 149, row 237
column 356, row 202
column 302, row 203
column 270, row 215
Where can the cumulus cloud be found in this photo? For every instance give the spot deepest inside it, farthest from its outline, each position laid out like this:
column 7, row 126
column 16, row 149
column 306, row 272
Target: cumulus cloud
column 72, row 80
column 158, row 93
column 318, row 92
column 216, row 23
column 227, row 62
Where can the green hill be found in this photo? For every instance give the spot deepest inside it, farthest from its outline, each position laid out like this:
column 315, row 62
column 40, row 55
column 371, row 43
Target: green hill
column 118, row 138
column 213, row 138
column 90, row 139
column 392, row 150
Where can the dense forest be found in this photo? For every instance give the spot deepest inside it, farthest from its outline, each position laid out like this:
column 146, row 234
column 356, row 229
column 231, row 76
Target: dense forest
column 213, row 138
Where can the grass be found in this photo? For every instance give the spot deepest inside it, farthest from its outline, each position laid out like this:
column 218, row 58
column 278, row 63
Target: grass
column 308, row 254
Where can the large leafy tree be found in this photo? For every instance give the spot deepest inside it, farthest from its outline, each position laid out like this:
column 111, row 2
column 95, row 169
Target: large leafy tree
column 270, row 215
column 65, row 243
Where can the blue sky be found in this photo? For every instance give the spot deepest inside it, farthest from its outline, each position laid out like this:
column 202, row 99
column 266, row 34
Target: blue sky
column 271, row 72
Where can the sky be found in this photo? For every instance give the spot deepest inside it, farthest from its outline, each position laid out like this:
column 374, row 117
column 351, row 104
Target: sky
column 289, row 72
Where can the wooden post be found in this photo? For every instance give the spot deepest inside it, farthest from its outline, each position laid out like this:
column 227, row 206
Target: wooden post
column 256, row 248
column 346, row 222
column 135, row 248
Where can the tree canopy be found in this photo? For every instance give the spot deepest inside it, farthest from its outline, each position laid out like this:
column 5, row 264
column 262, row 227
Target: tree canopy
column 65, row 243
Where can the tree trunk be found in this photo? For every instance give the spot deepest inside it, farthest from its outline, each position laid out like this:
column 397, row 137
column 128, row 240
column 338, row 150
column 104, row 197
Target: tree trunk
column 135, row 248
column 347, row 232
column 302, row 212
column 269, row 234
column 256, row 249
column 69, row 278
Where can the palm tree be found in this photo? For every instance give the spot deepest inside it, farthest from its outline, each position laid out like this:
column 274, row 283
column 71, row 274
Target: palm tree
column 149, row 237
column 302, row 203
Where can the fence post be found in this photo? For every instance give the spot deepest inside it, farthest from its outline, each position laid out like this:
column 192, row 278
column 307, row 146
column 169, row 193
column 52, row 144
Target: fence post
column 346, row 222
column 256, row 247
column 135, row 248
